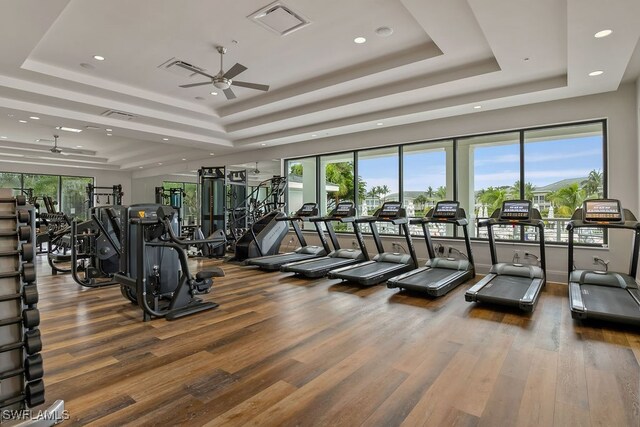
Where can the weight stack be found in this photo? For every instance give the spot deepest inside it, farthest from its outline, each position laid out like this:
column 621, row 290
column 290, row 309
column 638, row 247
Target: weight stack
column 21, row 368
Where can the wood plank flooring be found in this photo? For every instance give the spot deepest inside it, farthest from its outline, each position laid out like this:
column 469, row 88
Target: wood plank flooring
column 287, row 351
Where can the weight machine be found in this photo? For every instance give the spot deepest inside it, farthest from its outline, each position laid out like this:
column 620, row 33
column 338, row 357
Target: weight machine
column 173, row 197
column 94, row 193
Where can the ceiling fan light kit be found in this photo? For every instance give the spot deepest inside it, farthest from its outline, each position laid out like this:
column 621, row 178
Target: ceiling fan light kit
column 223, row 80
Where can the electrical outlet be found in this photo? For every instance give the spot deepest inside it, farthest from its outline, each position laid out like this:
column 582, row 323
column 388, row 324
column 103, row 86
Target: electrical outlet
column 354, row 244
column 596, row 260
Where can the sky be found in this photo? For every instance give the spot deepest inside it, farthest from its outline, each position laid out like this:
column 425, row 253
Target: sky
column 546, row 162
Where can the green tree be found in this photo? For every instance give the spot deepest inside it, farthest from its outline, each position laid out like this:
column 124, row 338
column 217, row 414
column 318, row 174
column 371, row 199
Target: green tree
column 567, row 199
column 420, row 200
column 514, row 190
column 341, row 174
column 384, row 190
column 593, row 184
column 493, row 197
column 295, row 169
column 430, row 192
column 441, row 193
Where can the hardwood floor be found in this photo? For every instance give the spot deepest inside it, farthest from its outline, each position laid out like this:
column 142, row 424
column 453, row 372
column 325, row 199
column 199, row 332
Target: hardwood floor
column 287, row 351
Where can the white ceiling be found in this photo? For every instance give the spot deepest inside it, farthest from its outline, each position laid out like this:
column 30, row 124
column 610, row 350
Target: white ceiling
column 443, row 58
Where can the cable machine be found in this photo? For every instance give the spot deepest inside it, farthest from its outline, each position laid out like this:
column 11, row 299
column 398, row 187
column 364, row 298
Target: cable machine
column 94, row 193
column 223, row 194
column 171, row 197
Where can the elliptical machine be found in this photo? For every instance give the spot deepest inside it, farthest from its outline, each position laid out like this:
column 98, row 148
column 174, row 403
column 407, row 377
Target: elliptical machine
column 155, row 272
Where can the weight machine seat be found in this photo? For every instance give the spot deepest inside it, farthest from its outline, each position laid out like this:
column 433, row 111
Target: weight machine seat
column 612, row 279
column 208, row 274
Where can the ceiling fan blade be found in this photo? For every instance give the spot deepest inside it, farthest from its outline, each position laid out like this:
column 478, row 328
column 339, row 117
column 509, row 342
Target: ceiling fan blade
column 194, row 70
column 229, row 94
column 234, row 71
column 196, row 84
column 251, row 85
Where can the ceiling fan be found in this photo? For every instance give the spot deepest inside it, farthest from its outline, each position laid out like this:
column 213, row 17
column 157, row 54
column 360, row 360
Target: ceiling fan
column 223, row 80
column 256, row 171
column 65, row 151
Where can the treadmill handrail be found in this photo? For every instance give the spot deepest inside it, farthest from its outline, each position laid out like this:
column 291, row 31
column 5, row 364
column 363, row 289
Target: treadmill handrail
column 395, row 221
column 627, row 225
column 425, row 220
column 524, row 222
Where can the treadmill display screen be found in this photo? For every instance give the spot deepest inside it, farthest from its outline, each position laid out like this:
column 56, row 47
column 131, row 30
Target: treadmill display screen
column 446, row 210
column 344, row 209
column 602, row 211
column 515, row 210
column 308, row 209
column 390, row 210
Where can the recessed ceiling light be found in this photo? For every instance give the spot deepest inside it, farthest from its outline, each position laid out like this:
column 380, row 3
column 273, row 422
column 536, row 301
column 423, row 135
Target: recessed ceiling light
column 64, row 128
column 165, row 139
column 313, row 135
column 139, row 167
column 359, row 40
column 160, row 163
column 184, row 160
column 34, row 118
column 214, row 93
column 211, row 154
column 3, row 137
column 22, row 121
column 78, row 146
column 108, row 130
column 384, row 31
column 477, row 107
column 379, row 123
column 98, row 57
column 109, row 134
column 10, row 115
column 603, row 33
column 596, row 73
column 263, row 144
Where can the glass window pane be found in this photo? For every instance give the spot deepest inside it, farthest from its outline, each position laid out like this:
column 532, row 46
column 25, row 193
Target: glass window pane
column 74, row 196
column 427, row 178
column 563, row 167
column 337, row 184
column 190, row 203
column 488, row 174
column 301, row 187
column 42, row 185
column 378, row 170
column 12, row 181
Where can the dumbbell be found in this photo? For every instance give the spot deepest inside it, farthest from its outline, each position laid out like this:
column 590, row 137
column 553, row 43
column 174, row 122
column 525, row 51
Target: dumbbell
column 29, row 295
column 24, row 216
column 32, row 369
column 26, row 250
column 30, row 318
column 23, row 233
column 33, row 395
column 21, row 200
column 31, row 341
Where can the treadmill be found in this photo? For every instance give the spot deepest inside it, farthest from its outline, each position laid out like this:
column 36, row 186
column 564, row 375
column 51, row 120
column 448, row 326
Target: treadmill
column 385, row 264
column 440, row 274
column 604, row 295
column 512, row 284
column 318, row 267
column 274, row 262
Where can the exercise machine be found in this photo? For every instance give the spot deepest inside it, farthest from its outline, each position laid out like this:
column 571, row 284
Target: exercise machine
column 155, row 274
column 305, row 251
column 344, row 212
column 263, row 238
column 512, row 284
column 94, row 193
column 21, row 362
column 384, row 265
column 603, row 294
column 171, row 197
column 440, row 274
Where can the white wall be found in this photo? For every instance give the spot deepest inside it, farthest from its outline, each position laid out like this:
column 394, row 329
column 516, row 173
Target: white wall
column 620, row 108
column 105, row 178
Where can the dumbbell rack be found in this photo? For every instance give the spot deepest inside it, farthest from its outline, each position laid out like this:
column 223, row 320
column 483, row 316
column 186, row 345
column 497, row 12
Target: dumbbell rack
column 21, row 367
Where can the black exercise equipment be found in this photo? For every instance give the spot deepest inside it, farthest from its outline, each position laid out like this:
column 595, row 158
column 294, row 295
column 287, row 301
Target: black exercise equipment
column 21, row 365
column 345, row 213
column 155, row 272
column 263, row 238
column 305, row 251
column 512, row 284
column 171, row 197
column 113, row 195
column 598, row 294
column 440, row 274
column 384, row 265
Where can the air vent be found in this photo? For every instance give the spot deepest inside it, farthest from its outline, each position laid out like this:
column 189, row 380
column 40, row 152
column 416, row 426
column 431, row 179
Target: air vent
column 114, row 114
column 179, row 68
column 279, row 18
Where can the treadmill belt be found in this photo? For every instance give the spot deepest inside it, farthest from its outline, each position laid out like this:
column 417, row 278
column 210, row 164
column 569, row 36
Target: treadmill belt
column 322, row 263
column 278, row 260
column 428, row 277
column 506, row 288
column 607, row 300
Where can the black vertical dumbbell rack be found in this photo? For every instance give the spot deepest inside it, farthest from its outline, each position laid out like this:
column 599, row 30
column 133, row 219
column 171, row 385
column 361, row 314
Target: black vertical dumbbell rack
column 21, row 366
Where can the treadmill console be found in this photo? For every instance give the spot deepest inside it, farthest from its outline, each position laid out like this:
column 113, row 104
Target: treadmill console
column 602, row 211
column 390, row 210
column 344, row 209
column 515, row 210
column 446, row 210
column 308, row 209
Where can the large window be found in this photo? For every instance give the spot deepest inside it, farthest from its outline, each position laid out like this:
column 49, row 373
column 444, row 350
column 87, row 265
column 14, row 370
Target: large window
column 555, row 167
column 43, row 185
column 378, row 169
column 12, row 181
column 189, row 210
column 427, row 178
column 74, row 195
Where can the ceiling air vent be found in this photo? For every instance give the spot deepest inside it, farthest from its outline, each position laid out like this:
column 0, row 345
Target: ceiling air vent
column 279, row 18
column 114, row 114
column 180, row 68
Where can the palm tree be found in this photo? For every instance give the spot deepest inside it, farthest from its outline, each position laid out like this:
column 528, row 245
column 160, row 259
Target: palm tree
column 384, row 190
column 514, row 191
column 420, row 201
column 593, row 184
column 567, row 199
column 493, row 197
column 441, row 193
column 430, row 192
